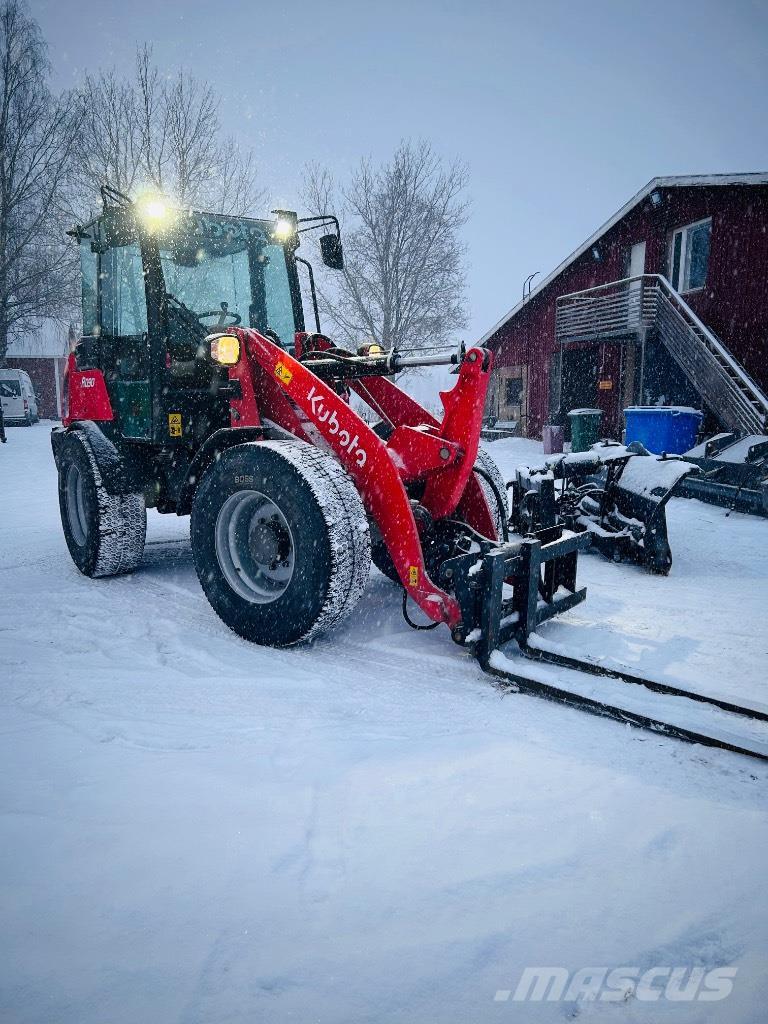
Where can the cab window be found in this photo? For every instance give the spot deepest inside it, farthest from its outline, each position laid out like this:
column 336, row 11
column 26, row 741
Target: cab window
column 123, row 301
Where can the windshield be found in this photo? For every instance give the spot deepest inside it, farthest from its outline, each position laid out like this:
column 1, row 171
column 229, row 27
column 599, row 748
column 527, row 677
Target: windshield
column 10, row 388
column 217, row 260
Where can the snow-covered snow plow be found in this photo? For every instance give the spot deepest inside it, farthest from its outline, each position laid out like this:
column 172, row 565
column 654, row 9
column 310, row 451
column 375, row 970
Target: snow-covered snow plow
column 616, row 494
column 255, row 432
column 733, row 472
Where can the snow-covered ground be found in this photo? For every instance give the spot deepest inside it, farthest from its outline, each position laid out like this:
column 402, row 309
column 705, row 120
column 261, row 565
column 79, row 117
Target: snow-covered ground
column 196, row 830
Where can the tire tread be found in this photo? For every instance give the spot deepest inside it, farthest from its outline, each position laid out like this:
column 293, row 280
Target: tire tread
column 122, row 524
column 347, row 526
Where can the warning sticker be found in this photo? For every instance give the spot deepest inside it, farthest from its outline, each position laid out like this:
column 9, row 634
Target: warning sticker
column 413, row 575
column 283, row 373
column 174, row 424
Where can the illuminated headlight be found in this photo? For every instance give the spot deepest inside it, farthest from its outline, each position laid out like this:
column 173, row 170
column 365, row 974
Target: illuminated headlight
column 371, row 348
column 225, row 349
column 154, row 210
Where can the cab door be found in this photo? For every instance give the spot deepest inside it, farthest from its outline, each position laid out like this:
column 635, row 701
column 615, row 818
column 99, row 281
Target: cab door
column 124, row 340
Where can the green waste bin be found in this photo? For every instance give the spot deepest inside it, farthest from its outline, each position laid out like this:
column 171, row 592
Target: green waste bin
column 585, row 428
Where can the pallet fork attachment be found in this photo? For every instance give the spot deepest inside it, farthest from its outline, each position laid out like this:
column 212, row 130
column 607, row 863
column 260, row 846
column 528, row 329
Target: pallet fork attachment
column 509, row 590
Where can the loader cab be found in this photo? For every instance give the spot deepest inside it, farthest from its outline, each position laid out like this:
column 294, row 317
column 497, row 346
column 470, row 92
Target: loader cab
column 152, row 290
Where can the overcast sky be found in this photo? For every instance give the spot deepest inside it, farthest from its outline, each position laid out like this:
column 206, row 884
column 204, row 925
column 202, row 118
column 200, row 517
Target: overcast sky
column 560, row 110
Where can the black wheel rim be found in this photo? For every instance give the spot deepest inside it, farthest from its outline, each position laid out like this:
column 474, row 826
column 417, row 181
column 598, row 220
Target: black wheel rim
column 254, row 547
column 75, row 502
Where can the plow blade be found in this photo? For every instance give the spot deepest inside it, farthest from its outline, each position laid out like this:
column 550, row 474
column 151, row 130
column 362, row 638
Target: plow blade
column 634, row 510
column 615, row 494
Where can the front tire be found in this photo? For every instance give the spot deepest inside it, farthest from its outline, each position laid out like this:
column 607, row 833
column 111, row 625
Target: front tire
column 104, row 532
column 499, row 512
column 280, row 541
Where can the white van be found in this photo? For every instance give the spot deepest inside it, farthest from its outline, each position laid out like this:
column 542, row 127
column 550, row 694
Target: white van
column 18, row 398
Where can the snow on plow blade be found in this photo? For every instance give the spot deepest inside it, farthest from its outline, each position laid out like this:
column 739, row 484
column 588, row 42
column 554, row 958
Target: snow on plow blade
column 615, row 494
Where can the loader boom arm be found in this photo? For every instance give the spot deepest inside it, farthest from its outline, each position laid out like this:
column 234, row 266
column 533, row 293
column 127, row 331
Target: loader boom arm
column 281, row 389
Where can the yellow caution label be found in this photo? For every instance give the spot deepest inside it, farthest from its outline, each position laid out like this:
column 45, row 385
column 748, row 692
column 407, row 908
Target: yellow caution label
column 283, row 373
column 174, row 424
column 413, row 575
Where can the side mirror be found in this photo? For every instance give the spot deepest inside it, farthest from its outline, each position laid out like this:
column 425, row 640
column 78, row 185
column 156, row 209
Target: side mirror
column 332, row 252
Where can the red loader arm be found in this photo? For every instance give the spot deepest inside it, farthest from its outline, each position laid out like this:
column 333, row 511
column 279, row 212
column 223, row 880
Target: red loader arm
column 278, row 388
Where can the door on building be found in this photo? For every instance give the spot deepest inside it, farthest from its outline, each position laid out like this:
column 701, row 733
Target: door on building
column 578, row 387
column 635, row 269
column 513, row 395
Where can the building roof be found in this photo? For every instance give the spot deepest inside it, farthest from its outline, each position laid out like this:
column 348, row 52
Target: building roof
column 48, row 339
column 672, row 181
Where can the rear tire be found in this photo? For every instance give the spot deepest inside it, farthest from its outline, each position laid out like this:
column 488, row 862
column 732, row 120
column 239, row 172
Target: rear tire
column 104, row 532
column 280, row 541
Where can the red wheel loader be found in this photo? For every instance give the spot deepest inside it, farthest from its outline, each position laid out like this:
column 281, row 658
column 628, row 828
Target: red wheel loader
column 196, row 389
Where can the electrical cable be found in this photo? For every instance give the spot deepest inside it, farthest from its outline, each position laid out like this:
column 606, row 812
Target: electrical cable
column 411, row 623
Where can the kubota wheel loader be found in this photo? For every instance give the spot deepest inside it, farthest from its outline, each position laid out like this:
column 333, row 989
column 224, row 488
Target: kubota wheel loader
column 196, row 389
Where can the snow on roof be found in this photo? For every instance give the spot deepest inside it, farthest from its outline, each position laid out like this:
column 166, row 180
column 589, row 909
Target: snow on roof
column 671, row 181
column 47, row 339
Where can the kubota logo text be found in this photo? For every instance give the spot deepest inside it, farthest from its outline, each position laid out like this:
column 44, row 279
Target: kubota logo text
column 346, row 440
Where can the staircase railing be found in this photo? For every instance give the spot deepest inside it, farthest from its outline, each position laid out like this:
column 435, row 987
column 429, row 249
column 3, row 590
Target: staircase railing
column 649, row 301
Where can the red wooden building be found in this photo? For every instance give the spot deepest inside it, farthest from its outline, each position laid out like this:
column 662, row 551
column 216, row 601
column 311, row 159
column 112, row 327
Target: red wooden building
column 42, row 352
column 666, row 303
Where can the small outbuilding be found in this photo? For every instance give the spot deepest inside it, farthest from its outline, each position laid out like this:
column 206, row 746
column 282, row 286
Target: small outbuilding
column 42, row 352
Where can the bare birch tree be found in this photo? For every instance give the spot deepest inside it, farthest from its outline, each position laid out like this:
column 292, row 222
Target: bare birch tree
column 403, row 282
column 37, row 141
column 154, row 132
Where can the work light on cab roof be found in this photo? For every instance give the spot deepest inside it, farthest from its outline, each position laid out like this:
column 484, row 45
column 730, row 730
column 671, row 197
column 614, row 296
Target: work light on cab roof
column 286, row 225
column 154, row 210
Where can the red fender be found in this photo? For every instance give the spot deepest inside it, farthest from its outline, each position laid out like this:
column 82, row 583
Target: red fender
column 84, row 395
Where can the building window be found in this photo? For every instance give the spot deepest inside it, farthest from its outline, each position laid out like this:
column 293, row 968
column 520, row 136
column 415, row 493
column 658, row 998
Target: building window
column 513, row 391
column 690, row 256
column 512, row 394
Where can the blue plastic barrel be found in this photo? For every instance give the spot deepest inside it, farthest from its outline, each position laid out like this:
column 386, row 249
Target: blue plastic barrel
column 670, row 429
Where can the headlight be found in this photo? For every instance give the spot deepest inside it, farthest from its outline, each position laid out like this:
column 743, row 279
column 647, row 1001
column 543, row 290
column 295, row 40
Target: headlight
column 225, row 349
column 370, row 348
column 283, row 229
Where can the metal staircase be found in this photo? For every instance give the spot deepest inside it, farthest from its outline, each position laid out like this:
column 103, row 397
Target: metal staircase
column 636, row 305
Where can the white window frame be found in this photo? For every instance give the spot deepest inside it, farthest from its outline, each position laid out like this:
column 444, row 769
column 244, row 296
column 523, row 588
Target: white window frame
column 684, row 232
